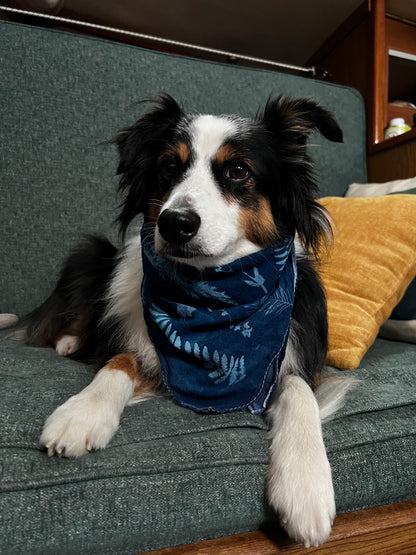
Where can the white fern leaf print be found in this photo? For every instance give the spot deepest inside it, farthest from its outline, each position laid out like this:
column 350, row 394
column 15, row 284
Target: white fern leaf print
column 256, row 280
column 185, row 312
column 187, row 347
column 245, row 329
column 217, row 357
column 237, row 370
column 231, row 369
column 205, row 289
column 160, row 318
column 279, row 301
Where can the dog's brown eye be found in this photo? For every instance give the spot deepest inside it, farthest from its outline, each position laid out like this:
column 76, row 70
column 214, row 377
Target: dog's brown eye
column 169, row 169
column 237, row 172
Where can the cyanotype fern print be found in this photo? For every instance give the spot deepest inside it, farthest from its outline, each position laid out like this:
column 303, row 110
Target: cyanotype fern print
column 256, row 280
column 228, row 368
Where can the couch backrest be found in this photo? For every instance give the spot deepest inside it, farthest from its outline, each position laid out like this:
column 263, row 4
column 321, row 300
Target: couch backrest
column 63, row 94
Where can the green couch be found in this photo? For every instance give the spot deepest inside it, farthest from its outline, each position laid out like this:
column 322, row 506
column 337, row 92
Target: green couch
column 170, row 476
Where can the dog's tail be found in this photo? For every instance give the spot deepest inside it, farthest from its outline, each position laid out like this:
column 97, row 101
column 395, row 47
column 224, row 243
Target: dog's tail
column 331, row 394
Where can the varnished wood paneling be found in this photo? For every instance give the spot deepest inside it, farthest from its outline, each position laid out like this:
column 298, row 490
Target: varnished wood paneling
column 386, row 530
column 400, row 36
column 393, row 159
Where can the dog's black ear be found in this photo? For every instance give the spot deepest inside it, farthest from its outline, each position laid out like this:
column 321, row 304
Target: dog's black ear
column 290, row 122
column 138, row 147
column 298, row 118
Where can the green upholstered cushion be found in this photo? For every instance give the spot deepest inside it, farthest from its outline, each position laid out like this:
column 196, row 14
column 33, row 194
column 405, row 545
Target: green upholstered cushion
column 172, row 476
column 64, row 94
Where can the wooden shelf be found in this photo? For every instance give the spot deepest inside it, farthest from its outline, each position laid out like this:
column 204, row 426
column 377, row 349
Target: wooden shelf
column 401, row 112
column 393, row 142
column 393, row 159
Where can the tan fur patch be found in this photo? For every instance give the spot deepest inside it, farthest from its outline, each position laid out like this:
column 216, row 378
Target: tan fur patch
column 226, row 152
column 183, row 152
column 180, row 150
column 258, row 224
column 128, row 363
column 125, row 362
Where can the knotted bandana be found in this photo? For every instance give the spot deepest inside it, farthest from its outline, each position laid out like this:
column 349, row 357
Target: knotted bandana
column 220, row 333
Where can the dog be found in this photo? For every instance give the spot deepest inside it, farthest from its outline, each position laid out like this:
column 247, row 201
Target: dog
column 230, row 210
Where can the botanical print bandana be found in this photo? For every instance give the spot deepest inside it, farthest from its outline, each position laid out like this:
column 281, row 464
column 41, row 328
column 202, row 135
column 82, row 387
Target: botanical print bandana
column 220, row 333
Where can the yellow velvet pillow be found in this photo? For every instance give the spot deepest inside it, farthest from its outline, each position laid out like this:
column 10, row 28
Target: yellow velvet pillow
column 367, row 271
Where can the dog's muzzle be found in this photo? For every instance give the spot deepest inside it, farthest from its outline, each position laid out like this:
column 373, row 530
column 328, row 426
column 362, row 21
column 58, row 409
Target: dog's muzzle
column 178, row 226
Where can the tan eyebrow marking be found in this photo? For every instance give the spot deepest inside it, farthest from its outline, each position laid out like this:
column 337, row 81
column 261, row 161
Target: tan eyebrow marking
column 227, row 152
column 181, row 150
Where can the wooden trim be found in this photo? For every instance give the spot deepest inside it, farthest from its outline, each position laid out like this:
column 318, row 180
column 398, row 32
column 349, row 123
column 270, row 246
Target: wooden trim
column 393, row 159
column 382, row 530
column 400, row 36
column 390, row 143
column 380, row 69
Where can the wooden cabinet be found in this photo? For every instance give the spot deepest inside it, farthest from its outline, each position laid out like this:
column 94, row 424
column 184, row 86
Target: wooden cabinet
column 393, row 159
column 375, row 53
column 400, row 62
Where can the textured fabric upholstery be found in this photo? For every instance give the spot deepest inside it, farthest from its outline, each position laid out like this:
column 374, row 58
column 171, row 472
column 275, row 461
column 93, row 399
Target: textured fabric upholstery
column 173, row 476
column 169, row 476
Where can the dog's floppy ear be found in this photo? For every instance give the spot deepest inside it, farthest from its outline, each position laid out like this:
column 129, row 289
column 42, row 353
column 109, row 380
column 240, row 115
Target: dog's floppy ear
column 138, row 147
column 290, row 123
column 298, row 118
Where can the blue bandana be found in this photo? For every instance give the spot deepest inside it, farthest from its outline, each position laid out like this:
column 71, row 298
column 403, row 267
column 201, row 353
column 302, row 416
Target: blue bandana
column 220, row 333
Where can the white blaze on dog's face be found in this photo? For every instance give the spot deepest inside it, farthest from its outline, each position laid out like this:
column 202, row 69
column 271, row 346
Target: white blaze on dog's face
column 203, row 220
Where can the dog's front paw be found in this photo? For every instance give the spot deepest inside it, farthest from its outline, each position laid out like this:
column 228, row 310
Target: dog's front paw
column 305, row 502
column 80, row 425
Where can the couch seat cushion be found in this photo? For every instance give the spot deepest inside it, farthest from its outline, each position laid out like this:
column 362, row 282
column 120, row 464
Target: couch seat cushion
column 172, row 476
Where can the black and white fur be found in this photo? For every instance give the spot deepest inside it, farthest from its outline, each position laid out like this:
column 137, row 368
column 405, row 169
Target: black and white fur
column 215, row 188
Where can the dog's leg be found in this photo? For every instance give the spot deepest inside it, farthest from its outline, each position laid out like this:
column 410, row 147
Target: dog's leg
column 299, row 481
column 87, row 421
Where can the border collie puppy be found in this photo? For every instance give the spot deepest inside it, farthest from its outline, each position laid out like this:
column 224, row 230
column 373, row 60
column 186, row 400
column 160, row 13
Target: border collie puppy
column 216, row 299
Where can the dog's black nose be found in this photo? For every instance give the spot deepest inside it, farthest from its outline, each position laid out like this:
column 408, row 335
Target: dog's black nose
column 178, row 226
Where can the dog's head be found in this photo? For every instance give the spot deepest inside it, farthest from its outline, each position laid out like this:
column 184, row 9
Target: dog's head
column 220, row 187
